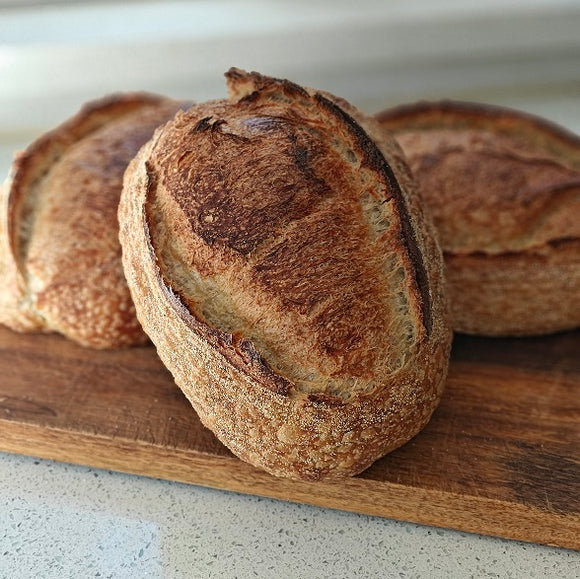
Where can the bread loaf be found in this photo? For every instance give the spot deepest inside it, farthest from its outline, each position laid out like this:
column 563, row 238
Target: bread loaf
column 280, row 262
column 60, row 258
column 504, row 190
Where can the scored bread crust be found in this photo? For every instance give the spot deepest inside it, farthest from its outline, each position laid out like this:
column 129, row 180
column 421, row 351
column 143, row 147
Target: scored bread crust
column 254, row 234
column 503, row 187
column 60, row 259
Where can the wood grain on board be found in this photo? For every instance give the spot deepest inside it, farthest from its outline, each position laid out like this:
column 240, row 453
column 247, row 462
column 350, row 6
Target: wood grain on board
column 500, row 456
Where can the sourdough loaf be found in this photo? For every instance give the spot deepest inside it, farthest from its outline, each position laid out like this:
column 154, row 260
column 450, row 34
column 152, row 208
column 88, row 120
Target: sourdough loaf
column 279, row 260
column 504, row 190
column 60, row 258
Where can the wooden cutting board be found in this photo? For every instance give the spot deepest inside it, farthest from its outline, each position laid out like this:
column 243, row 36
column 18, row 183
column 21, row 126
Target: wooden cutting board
column 499, row 457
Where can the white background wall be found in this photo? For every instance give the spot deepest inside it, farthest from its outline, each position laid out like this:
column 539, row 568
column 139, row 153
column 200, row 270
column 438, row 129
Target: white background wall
column 55, row 55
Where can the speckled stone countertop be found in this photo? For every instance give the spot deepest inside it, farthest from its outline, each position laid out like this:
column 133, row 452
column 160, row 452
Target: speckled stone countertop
column 64, row 521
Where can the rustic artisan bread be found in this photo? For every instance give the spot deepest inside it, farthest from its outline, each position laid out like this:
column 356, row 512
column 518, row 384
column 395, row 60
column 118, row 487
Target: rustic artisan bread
column 288, row 278
column 504, row 191
column 60, row 258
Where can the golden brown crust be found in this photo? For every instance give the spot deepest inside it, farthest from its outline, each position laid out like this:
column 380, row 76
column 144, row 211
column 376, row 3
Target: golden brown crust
column 525, row 127
column 528, row 296
column 281, row 268
column 59, row 254
column 503, row 187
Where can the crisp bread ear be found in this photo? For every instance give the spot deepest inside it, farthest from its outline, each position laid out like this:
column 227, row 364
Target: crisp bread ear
column 247, row 85
column 343, row 118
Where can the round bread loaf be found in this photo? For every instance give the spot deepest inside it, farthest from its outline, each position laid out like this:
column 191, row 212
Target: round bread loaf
column 288, row 278
column 60, row 258
column 504, row 190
